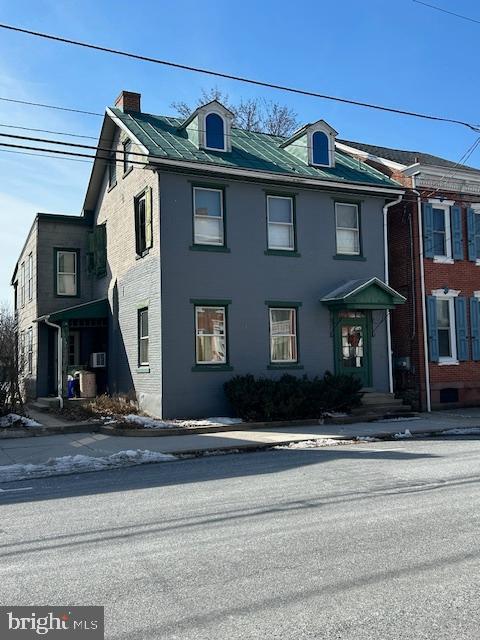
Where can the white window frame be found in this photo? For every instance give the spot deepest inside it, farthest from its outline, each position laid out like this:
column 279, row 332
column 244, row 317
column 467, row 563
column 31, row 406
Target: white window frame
column 291, row 224
column 223, row 309
column 30, row 277
column 331, row 145
column 200, row 217
column 355, row 229
column 445, row 205
column 217, row 113
column 450, row 295
column 22, row 284
column 143, row 337
column 67, row 273
column 283, row 335
column 29, row 359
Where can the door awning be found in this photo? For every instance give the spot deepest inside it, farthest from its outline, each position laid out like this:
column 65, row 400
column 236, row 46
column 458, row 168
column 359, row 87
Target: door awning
column 370, row 293
column 87, row 310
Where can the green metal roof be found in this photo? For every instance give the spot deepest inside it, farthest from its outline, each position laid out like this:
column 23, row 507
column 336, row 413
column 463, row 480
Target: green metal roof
column 87, row 310
column 163, row 137
column 369, row 293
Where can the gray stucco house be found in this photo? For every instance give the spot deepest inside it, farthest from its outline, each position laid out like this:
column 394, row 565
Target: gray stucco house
column 204, row 251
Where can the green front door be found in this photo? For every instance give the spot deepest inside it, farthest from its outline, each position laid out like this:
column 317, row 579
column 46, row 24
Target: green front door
column 353, row 345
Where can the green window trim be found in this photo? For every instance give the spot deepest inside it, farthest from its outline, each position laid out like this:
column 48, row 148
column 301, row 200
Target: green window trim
column 282, row 253
column 56, row 251
column 283, row 304
column 142, row 338
column 201, row 246
column 349, row 256
column 212, row 367
column 273, row 367
column 143, row 228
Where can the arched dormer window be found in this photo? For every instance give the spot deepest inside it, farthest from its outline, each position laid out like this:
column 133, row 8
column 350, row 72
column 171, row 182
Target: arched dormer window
column 320, row 150
column 214, row 132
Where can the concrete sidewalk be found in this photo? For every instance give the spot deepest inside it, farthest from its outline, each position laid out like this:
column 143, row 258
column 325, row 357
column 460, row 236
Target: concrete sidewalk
column 39, row 450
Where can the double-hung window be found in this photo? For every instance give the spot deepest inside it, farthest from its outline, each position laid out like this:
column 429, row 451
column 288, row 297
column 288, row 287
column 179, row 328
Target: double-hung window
column 143, row 222
column 30, row 350
column 210, row 335
column 441, row 233
column 22, row 284
column 143, row 359
column 127, row 156
column 283, row 335
column 67, row 272
column 30, row 276
column 280, row 223
column 347, row 229
column 208, row 216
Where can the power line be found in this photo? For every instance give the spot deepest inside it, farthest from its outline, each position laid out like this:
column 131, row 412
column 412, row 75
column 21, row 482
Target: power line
column 43, row 155
column 60, row 133
column 51, row 106
column 451, row 13
column 227, row 76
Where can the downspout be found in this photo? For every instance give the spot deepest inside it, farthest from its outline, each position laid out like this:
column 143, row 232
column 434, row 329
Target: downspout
column 422, row 286
column 387, row 276
column 59, row 359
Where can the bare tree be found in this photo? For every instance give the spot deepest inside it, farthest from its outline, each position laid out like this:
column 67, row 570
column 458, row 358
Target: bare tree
column 254, row 114
column 10, row 395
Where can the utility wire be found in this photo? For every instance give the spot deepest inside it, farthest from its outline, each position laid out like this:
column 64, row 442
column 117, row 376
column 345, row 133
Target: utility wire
column 451, row 13
column 60, row 133
column 228, row 76
column 50, row 106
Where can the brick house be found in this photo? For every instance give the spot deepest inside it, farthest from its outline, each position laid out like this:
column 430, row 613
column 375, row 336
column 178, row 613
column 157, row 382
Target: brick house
column 204, row 251
column 434, row 245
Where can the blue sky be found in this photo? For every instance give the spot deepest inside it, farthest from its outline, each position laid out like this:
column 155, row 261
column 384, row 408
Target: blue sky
column 395, row 52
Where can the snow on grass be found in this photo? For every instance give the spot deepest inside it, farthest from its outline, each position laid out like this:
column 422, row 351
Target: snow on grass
column 15, row 420
column 403, row 434
column 152, row 423
column 81, row 464
column 315, row 444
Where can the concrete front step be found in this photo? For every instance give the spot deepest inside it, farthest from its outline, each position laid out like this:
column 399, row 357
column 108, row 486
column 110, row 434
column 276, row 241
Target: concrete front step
column 381, row 409
column 44, row 404
column 380, row 398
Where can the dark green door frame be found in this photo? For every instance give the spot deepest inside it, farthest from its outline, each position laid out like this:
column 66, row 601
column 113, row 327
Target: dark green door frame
column 364, row 372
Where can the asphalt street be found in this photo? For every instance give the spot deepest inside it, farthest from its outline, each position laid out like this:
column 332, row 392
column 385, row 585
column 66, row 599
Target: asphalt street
column 361, row 542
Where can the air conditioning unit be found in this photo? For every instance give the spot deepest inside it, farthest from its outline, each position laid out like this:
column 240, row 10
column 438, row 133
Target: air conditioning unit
column 98, row 360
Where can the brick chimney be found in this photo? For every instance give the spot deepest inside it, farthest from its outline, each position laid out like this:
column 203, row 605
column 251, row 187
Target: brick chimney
column 128, row 101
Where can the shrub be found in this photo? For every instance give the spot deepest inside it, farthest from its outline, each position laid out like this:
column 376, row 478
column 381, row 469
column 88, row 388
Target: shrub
column 291, row 398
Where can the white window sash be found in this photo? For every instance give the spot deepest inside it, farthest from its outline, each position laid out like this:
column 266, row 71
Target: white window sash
column 283, row 335
column 452, row 359
column 67, row 273
column 218, row 219
column 355, row 230
column 222, row 336
column 448, row 232
column 290, row 225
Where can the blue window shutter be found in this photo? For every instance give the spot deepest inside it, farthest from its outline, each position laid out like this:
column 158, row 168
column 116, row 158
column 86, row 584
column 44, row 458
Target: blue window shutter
column 475, row 327
column 461, row 328
column 432, row 328
column 457, row 235
column 472, row 252
column 427, row 230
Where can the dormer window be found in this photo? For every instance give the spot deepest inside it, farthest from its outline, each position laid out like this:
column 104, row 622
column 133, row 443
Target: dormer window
column 214, row 132
column 320, row 151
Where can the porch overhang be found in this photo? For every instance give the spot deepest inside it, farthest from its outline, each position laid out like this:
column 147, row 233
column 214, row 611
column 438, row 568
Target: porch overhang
column 366, row 294
column 87, row 310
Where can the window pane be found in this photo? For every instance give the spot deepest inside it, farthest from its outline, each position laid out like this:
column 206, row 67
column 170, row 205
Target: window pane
column 352, row 346
column 443, row 313
column 143, row 323
column 282, row 321
column 347, row 216
column 444, row 347
column 208, row 231
column 144, row 351
column 67, row 284
column 66, row 262
column 210, row 349
column 210, row 320
column 214, row 131
column 439, row 245
column 347, row 241
column 280, row 210
column 438, row 220
column 208, row 203
column 280, row 236
column 284, row 348
column 320, row 148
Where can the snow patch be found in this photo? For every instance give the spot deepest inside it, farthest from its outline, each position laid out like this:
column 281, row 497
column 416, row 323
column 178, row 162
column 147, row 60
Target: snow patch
column 315, row 444
column 367, row 439
column 467, row 431
column 404, row 434
column 81, row 464
column 15, row 420
column 152, row 423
